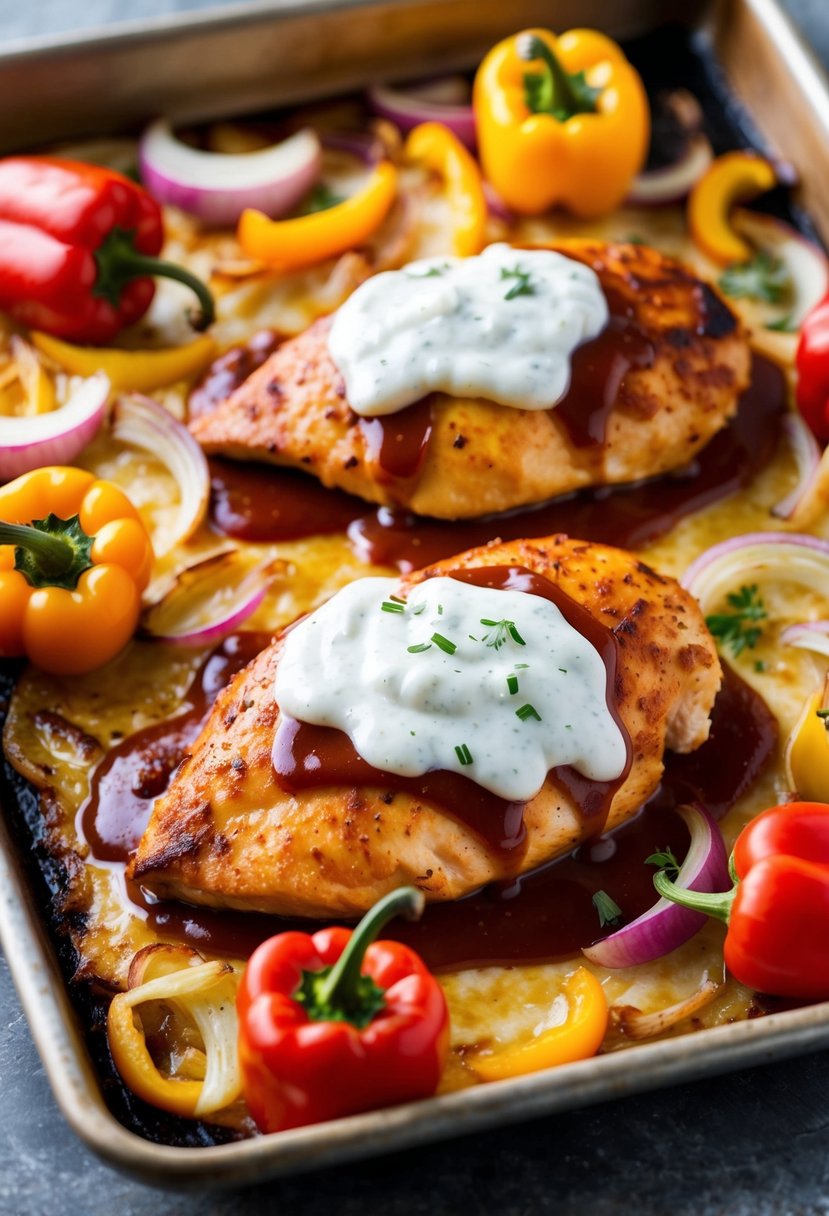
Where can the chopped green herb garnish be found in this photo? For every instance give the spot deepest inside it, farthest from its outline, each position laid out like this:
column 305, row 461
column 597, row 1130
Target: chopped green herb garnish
column 417, row 611
column 607, row 908
column 434, row 272
column 503, row 630
column 523, row 284
column 783, row 325
column 521, row 666
column 445, row 645
column 464, row 754
column 763, row 278
column 736, row 629
column 528, row 711
column 760, row 665
column 393, row 606
column 563, row 670
column 440, row 609
column 321, row 198
column 398, row 599
column 665, row 860
column 633, row 238
column 419, row 648
column 512, row 685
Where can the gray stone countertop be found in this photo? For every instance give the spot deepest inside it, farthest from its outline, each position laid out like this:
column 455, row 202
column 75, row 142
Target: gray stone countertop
column 749, row 1144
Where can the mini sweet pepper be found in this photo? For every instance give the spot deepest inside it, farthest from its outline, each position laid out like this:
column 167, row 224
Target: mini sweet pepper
column 74, row 559
column 812, row 364
column 777, row 912
column 572, row 131
column 337, row 1022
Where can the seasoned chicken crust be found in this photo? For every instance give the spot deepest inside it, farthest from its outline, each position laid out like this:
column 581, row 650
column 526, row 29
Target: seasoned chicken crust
column 225, row 834
column 483, row 457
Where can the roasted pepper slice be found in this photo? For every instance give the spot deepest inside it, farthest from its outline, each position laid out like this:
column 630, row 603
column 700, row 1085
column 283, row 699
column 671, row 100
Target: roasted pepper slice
column 733, row 178
column 338, row 1023
column 777, row 912
column 435, row 146
column 577, row 1038
column 133, row 371
column 78, row 248
column 812, row 363
column 295, row 243
column 74, row 559
column 572, row 131
column 807, row 751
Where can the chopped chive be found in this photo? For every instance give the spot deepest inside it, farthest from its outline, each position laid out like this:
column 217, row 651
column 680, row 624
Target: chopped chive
column 514, row 634
column 419, row 648
column 445, row 645
column 521, row 666
column 390, row 606
column 563, row 670
column 512, row 685
column 417, row 611
column 440, row 609
column 463, row 753
column 528, row 711
column 607, row 908
column 397, row 599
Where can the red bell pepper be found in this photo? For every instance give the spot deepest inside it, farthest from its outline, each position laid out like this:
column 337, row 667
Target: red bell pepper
column 778, row 909
column 812, row 363
column 336, row 1023
column 78, row 246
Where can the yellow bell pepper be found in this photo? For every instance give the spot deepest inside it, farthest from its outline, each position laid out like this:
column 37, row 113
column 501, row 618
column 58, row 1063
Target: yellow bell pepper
column 573, row 131
column 137, row 371
column 578, row 1038
column 435, row 146
column 807, row 751
column 733, row 178
column 296, row 243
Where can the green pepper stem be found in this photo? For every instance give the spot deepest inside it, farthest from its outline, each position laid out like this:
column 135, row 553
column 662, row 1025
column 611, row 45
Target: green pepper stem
column 339, row 989
column 143, row 264
column 714, row 903
column 533, row 47
column 52, row 554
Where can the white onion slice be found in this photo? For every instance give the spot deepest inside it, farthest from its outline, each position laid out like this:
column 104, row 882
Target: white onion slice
column 805, row 262
column 806, row 453
column 665, row 926
column 672, row 183
column 56, row 437
column 808, row 635
column 632, row 1023
column 210, row 599
column 408, row 107
column 757, row 557
column 217, row 187
column 143, row 423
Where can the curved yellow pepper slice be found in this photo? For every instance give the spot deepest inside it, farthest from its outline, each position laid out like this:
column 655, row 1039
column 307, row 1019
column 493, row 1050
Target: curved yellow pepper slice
column 585, row 148
column 295, row 243
column 435, row 146
column 733, row 178
column 807, row 751
column 137, row 371
column 578, row 1038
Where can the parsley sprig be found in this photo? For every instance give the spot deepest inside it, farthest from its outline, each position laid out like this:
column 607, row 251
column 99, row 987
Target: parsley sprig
column 523, row 285
column 764, row 278
column 503, row 631
column 738, row 628
column 664, row 859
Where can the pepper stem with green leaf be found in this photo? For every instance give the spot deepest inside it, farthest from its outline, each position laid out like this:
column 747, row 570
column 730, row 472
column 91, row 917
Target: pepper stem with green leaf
column 50, row 552
column 342, row 993
column 716, row 903
column 554, row 90
column 119, row 262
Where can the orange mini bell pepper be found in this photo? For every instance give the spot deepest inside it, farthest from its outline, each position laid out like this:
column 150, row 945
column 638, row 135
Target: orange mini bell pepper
column 577, row 1038
column 74, row 559
column 572, row 131
column 733, row 178
column 435, row 146
column 307, row 239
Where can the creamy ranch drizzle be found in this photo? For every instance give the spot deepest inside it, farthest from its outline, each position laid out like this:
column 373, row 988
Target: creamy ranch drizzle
column 426, row 684
column 502, row 326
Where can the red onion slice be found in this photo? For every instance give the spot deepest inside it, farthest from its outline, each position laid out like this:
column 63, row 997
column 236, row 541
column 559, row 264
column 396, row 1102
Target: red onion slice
column 57, row 437
column 217, row 187
column 665, row 926
column 807, row 458
column 808, row 635
column 210, row 600
column 143, row 423
column 408, row 108
column 805, row 262
column 755, row 557
column 673, row 183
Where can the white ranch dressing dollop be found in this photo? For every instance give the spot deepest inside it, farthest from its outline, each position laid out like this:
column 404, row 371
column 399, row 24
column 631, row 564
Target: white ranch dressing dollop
column 503, row 707
column 502, row 326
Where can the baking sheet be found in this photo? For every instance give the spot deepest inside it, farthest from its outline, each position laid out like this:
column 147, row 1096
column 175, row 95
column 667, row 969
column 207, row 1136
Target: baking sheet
column 751, row 37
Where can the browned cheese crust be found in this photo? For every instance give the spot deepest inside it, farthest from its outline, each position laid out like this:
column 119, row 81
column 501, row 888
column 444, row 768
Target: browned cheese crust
column 225, row 834
column 484, row 457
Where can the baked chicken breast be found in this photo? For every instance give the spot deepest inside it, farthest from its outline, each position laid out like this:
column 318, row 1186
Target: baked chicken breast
column 483, row 457
column 225, row 834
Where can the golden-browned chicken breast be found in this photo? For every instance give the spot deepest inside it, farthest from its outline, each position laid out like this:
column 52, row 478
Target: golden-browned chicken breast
column 653, row 389
column 226, row 834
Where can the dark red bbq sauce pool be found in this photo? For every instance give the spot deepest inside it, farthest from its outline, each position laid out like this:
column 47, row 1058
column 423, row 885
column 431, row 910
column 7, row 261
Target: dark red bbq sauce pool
column 261, row 503
column 306, row 756
column 545, row 915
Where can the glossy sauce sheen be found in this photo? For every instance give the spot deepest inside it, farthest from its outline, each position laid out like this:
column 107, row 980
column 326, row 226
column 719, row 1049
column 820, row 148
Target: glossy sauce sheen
column 542, row 916
column 263, row 503
column 307, row 756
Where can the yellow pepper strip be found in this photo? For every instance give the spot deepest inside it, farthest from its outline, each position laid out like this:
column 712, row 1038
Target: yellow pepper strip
column 807, row 751
column 295, row 243
column 203, row 990
column 435, row 146
column 578, row 1038
column 733, row 178
column 137, row 371
column 560, row 121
